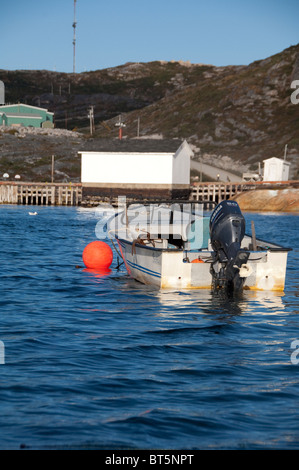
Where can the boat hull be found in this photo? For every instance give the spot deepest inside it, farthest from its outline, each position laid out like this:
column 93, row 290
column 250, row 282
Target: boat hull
column 174, row 269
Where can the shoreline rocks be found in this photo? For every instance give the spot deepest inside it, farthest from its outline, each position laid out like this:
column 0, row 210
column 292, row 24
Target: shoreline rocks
column 269, row 200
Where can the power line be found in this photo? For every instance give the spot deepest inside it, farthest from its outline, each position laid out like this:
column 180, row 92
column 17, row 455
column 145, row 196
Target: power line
column 74, row 38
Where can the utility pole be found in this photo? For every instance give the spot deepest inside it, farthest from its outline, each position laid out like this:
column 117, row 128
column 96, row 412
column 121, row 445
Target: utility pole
column 138, row 127
column 74, row 38
column 285, row 151
column 91, row 119
column 52, row 169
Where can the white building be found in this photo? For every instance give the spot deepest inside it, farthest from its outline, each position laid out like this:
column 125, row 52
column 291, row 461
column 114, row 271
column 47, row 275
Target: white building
column 276, row 169
column 140, row 168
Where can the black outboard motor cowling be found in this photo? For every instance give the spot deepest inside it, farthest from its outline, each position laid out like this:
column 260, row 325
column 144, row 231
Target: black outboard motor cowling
column 227, row 230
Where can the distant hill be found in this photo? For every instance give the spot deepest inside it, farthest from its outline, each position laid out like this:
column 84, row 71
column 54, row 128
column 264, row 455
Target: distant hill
column 232, row 116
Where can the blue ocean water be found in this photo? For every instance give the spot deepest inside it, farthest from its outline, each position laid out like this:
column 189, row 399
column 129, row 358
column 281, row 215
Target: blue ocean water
column 103, row 362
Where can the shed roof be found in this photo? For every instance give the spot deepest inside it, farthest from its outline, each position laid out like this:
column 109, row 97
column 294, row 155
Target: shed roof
column 275, row 159
column 133, row 145
column 6, row 106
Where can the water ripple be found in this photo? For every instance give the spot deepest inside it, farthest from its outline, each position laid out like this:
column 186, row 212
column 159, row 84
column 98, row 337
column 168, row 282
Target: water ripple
column 95, row 362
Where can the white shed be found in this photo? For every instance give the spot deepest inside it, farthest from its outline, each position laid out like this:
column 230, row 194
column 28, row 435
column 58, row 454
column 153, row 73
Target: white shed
column 276, row 169
column 137, row 167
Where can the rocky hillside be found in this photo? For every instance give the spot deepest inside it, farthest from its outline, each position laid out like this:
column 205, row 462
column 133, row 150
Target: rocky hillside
column 234, row 116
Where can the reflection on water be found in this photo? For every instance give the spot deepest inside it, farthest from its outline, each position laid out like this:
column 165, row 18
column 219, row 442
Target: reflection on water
column 254, row 302
column 97, row 273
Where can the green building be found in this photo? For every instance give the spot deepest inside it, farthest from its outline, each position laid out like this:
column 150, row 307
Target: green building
column 25, row 115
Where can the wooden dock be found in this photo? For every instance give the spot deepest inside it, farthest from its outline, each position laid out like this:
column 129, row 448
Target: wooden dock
column 70, row 194
column 217, row 192
column 43, row 194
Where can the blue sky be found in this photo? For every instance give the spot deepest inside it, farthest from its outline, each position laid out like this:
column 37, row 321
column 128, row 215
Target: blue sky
column 38, row 34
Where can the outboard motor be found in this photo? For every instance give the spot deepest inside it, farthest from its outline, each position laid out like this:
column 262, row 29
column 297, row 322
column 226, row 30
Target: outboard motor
column 227, row 230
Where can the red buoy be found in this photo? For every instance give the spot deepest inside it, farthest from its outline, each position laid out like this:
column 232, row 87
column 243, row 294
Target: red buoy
column 97, row 255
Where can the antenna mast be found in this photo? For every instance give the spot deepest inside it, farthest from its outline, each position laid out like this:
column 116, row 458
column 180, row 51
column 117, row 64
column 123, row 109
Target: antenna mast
column 74, row 39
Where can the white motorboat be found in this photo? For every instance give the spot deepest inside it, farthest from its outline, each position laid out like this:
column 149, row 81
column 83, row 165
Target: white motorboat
column 175, row 249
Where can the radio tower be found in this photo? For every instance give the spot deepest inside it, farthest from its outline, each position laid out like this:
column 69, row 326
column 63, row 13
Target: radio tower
column 74, row 39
